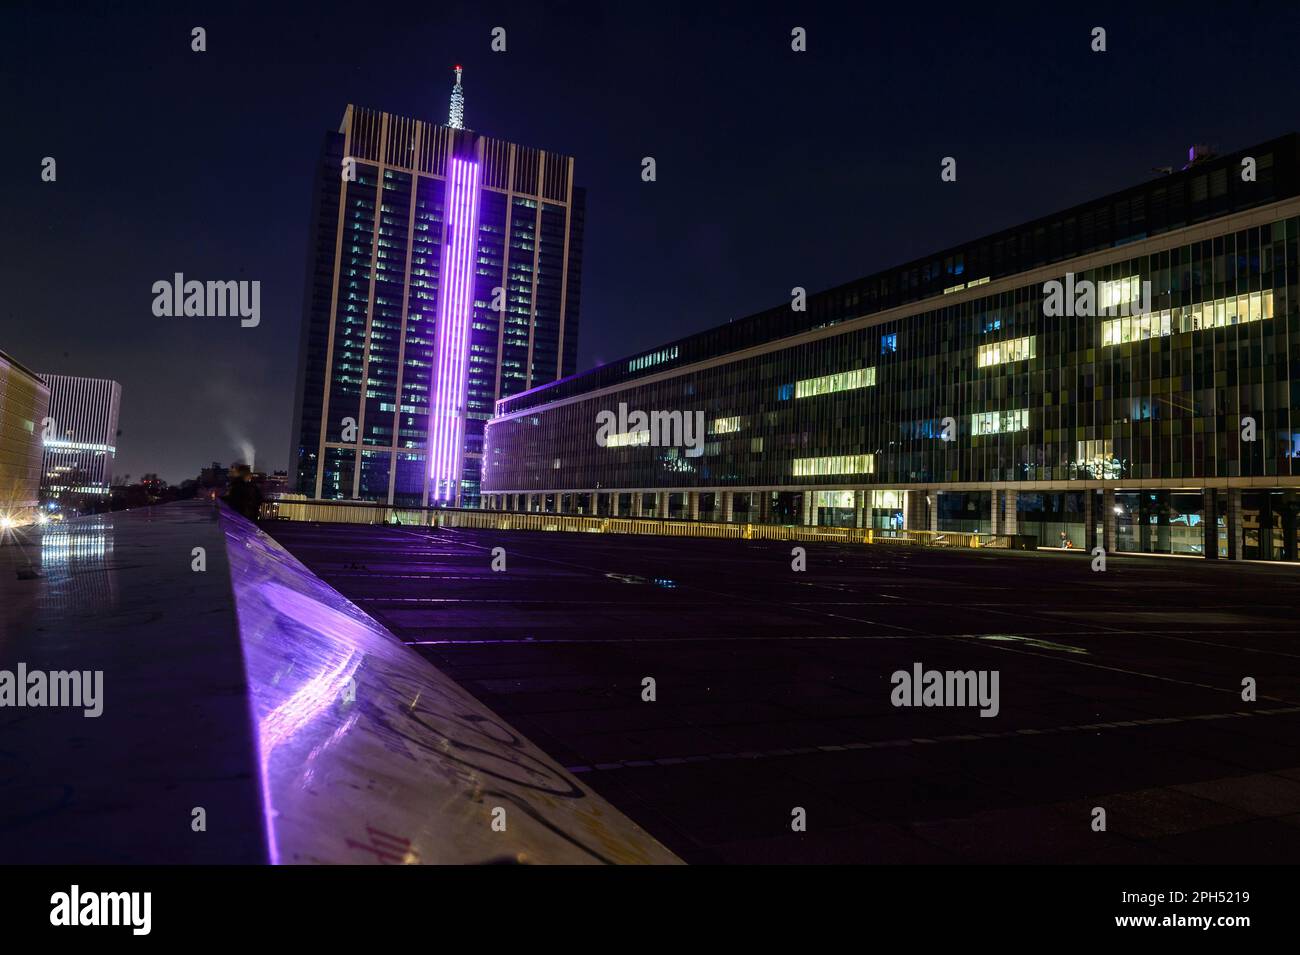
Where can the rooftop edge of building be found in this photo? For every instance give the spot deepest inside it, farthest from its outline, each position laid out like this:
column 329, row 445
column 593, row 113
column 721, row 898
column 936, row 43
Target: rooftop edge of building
column 880, row 290
column 13, row 362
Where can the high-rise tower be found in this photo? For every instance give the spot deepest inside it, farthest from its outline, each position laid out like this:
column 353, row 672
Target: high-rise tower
column 443, row 274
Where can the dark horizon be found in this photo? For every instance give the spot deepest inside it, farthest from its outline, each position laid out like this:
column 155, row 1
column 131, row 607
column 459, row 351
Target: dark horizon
column 775, row 168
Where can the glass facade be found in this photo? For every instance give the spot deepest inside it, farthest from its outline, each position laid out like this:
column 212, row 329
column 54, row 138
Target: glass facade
column 984, row 389
column 367, row 399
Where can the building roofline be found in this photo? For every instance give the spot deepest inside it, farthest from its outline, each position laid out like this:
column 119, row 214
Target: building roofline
column 1224, row 161
column 11, row 360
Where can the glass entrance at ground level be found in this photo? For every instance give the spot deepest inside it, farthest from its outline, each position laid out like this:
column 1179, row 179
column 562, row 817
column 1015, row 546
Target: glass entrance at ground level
column 1268, row 527
column 835, row 508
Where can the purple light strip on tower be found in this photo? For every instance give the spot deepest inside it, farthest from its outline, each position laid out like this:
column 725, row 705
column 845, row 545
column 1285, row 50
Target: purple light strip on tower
column 456, row 289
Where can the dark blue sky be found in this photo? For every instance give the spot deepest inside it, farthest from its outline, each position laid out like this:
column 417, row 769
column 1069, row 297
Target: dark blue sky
column 775, row 168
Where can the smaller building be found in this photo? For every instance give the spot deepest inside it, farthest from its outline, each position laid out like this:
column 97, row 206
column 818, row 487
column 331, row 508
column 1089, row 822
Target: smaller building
column 80, row 439
column 24, row 404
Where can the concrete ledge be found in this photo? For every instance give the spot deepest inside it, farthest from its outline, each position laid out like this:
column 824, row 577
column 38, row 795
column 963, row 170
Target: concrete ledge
column 368, row 753
column 304, row 730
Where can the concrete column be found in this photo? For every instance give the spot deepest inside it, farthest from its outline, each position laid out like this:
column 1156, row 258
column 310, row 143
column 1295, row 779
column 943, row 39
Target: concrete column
column 995, row 512
column 661, row 504
column 728, row 507
column 693, row 499
column 859, row 508
column 1010, row 525
column 1209, row 524
column 1109, row 536
column 914, row 510
column 1089, row 520
column 638, row 504
column 933, row 495
column 1233, row 529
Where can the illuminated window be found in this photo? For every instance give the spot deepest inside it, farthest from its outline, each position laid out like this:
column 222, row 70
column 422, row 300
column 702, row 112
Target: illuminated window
column 838, row 464
column 628, row 439
column 888, row 343
column 1233, row 310
column 999, row 422
column 997, row 353
column 843, row 381
column 726, row 425
column 654, row 358
column 1119, row 294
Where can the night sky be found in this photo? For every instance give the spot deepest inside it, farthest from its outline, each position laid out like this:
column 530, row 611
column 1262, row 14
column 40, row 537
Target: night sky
column 775, row 168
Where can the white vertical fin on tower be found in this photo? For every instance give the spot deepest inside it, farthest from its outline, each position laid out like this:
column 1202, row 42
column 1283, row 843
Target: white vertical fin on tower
column 456, row 115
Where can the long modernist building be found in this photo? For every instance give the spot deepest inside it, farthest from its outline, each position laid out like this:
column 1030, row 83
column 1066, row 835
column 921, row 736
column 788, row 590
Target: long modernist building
column 963, row 391
column 443, row 274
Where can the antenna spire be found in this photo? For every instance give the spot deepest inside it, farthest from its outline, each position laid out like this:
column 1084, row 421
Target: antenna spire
column 456, row 115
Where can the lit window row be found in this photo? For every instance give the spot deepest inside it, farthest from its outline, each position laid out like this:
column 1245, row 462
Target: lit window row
column 628, row 439
column 999, row 422
column 1119, row 293
column 971, row 284
column 726, row 425
column 654, row 358
column 1233, row 310
column 78, row 446
column 842, row 381
column 837, row 464
column 1017, row 349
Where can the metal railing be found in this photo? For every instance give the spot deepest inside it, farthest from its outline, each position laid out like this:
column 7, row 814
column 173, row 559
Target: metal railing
column 350, row 512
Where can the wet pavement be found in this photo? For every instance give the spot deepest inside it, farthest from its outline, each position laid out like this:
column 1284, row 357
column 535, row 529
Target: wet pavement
column 1118, row 691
